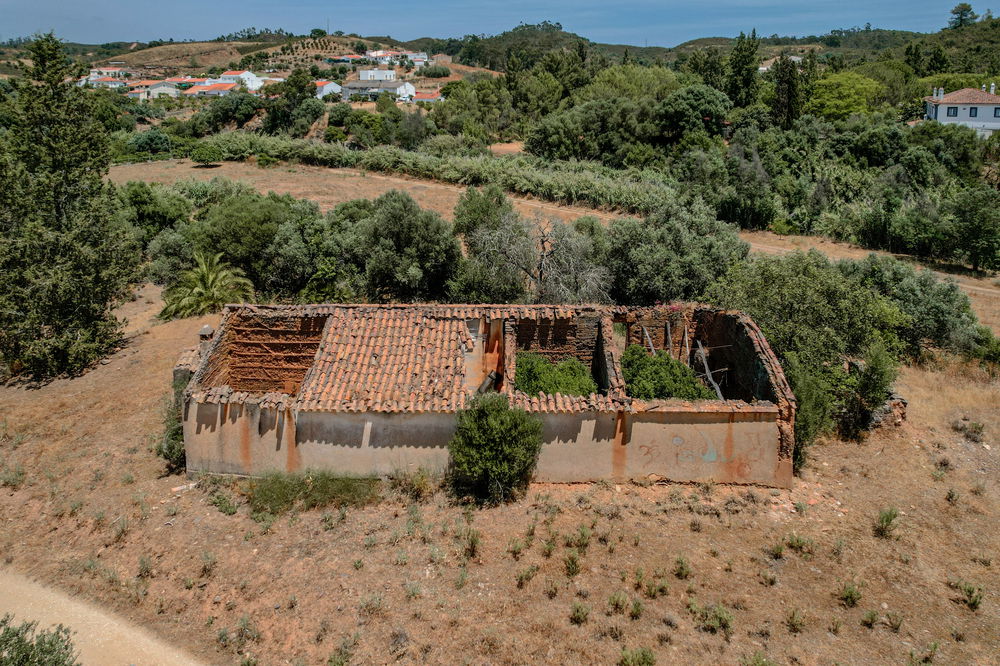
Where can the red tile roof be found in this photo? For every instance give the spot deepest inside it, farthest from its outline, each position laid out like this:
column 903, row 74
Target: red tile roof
column 427, row 95
column 966, row 96
column 404, row 358
column 235, row 72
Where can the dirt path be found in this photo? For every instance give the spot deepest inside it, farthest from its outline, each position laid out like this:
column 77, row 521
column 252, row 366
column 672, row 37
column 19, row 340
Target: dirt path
column 100, row 637
column 329, row 187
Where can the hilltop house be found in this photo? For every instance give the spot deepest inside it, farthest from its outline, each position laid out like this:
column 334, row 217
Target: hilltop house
column 324, row 88
column 377, row 74
column 970, row 107
column 218, row 89
column 374, row 389
column 113, row 72
column 402, row 90
column 248, row 79
column 151, row 89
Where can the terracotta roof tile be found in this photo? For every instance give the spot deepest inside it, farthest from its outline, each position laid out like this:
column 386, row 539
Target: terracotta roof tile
column 966, row 96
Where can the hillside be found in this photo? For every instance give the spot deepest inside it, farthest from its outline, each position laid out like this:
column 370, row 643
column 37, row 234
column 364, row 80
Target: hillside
column 972, row 48
column 189, row 55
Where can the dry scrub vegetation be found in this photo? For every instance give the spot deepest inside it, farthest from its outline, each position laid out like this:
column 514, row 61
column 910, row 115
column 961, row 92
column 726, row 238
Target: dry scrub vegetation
column 573, row 573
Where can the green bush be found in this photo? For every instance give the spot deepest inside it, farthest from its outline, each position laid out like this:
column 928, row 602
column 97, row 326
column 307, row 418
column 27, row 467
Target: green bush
column 24, row 644
column 435, row 72
column 536, row 374
column 278, row 492
column 658, row 377
column 205, row 154
column 494, row 450
column 171, row 445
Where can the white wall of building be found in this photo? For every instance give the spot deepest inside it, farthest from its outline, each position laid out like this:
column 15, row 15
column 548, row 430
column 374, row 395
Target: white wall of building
column 377, row 75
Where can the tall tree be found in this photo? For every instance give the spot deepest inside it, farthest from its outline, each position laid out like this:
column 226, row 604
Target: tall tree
column 66, row 259
column 787, row 103
column 962, row 15
column 742, row 83
column 914, row 57
column 709, row 65
column 938, row 61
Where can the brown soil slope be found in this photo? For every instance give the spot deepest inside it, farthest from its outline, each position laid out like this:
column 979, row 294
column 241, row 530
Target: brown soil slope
column 391, row 580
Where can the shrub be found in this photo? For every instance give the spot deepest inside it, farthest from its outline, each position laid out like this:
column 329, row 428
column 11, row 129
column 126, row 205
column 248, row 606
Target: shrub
column 972, row 595
column 713, row 619
column 525, row 575
column 25, row 644
column 205, row 154
column 435, row 71
column 536, row 374
column 571, row 563
column 278, row 492
column 495, row 449
column 885, row 524
column 850, row 594
column 171, row 445
column 579, row 614
column 658, row 377
column 637, row 657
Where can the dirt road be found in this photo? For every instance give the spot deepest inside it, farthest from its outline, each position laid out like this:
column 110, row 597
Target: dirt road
column 100, row 637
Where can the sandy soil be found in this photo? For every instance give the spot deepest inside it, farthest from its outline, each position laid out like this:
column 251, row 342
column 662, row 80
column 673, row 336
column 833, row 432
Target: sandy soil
column 99, row 636
column 329, row 187
column 391, row 579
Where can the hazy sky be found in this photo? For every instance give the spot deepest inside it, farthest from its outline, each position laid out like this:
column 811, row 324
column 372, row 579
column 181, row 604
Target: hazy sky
column 661, row 23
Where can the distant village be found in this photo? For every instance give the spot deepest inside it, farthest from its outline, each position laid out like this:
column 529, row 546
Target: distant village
column 376, row 75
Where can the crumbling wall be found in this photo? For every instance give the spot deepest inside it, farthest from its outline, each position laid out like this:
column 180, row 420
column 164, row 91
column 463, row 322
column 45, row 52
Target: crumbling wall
column 560, row 338
column 259, row 353
column 670, row 329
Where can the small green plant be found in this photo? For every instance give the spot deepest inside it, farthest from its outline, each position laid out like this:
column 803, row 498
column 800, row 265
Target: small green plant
column 682, row 569
column 12, row 477
column 579, row 539
column 571, row 563
column 715, row 618
column 952, row 496
column 635, row 612
column 850, row 594
column 463, row 578
column 145, row 567
column 885, row 524
column 417, row 484
column 472, row 540
column 276, row 493
column 128, row 479
column 894, row 621
column 617, row 603
column 552, row 589
column 358, row 564
column 979, row 489
column 835, row 625
column 372, row 605
column 412, row 590
column 515, row 548
column 795, row 621
column 869, row 619
column 342, row 657
column 756, row 659
column 655, row 587
column 767, row 578
column 548, row 547
column 972, row 595
column 208, row 562
column 637, row 657
column 800, row 507
column 925, row 657
column 223, row 503
column 776, row 550
column 525, row 575
column 579, row 613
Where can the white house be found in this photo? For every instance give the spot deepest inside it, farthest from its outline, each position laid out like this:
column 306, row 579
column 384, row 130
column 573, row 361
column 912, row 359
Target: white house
column 970, row 107
column 377, row 74
column 769, row 63
column 114, row 72
column 324, row 88
column 402, row 90
column 248, row 79
column 211, row 89
column 162, row 89
column 107, row 82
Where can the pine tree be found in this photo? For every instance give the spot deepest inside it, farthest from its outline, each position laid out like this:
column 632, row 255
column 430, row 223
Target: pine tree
column 962, row 15
column 938, row 61
column 914, row 57
column 742, row 83
column 65, row 259
column 787, row 103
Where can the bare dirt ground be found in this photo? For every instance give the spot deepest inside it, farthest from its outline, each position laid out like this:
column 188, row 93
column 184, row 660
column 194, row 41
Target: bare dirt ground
column 99, row 636
column 329, row 187
column 390, row 579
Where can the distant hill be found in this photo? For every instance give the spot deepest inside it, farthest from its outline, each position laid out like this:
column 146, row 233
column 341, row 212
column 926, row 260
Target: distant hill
column 972, row 48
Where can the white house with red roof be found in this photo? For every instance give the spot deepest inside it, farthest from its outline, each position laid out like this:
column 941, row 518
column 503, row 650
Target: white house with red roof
column 211, row 89
column 324, row 88
column 970, row 107
column 248, row 79
column 113, row 72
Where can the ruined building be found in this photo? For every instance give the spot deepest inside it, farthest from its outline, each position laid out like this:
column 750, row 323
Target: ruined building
column 373, row 389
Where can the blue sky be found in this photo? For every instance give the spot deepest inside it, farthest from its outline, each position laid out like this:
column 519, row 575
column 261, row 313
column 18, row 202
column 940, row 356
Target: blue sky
column 652, row 22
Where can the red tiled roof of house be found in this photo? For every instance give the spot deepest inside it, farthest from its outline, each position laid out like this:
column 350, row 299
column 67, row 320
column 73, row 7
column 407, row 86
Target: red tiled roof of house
column 426, row 95
column 965, row 96
column 235, row 72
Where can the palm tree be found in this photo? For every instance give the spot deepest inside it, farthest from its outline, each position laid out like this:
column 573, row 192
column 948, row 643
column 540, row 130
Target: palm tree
column 206, row 288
